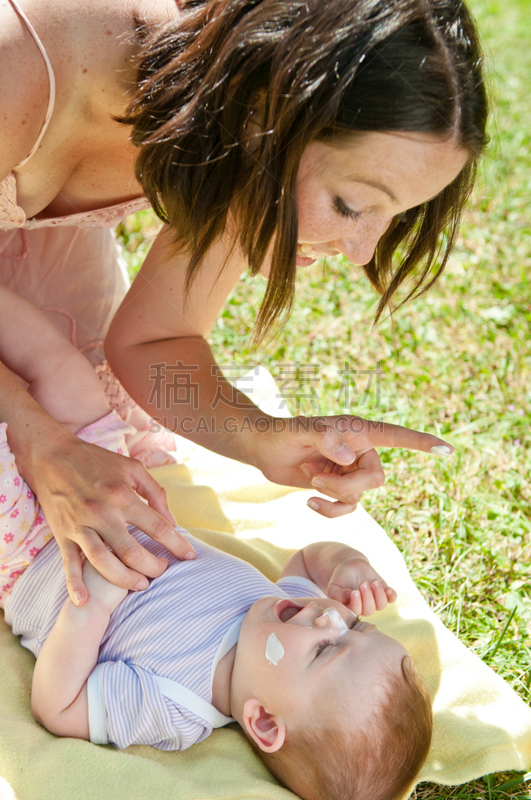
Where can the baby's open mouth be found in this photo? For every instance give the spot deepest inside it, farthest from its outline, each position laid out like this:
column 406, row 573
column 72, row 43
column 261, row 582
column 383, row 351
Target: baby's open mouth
column 287, row 609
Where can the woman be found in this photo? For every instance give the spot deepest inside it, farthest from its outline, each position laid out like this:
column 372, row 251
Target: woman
column 264, row 133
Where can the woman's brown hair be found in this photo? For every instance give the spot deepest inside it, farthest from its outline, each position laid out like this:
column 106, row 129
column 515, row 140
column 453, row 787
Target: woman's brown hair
column 325, row 71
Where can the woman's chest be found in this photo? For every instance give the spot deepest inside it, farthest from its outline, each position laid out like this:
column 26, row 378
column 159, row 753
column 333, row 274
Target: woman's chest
column 85, row 159
column 80, row 173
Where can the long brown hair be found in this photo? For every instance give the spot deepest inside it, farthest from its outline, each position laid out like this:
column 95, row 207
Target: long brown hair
column 324, row 70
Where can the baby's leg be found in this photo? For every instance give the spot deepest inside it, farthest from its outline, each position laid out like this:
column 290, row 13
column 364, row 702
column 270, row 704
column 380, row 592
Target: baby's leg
column 23, row 529
column 58, row 376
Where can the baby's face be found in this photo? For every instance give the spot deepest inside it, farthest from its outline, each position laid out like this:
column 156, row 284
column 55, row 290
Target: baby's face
column 293, row 657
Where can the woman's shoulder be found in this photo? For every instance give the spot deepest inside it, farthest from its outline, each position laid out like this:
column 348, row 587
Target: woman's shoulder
column 23, row 89
column 73, row 61
column 73, row 37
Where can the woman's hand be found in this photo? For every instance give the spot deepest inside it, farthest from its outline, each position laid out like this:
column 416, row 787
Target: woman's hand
column 89, row 495
column 359, row 587
column 335, row 455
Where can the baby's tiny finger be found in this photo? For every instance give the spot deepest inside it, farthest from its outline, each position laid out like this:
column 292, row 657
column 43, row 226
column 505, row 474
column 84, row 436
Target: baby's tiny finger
column 380, row 597
column 390, row 594
column 367, row 599
column 355, row 602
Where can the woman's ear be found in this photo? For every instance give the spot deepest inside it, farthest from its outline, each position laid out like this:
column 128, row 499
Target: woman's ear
column 267, row 730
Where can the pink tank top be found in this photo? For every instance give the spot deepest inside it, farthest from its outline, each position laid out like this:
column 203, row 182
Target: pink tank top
column 13, row 216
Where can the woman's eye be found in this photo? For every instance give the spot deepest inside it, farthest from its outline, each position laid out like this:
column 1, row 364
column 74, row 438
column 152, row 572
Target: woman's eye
column 343, row 210
column 323, row 646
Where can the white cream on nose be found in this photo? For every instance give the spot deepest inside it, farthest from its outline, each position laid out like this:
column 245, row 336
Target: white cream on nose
column 336, row 620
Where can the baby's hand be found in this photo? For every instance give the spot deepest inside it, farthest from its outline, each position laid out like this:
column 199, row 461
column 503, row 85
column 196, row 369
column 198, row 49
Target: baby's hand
column 358, row 586
column 101, row 590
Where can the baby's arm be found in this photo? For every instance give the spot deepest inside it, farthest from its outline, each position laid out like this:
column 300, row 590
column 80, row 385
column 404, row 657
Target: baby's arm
column 344, row 574
column 59, row 699
column 58, row 376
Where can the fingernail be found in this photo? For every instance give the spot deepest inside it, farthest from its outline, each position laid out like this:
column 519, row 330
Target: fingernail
column 344, row 453
column 306, row 470
column 313, row 505
column 189, row 555
column 318, row 484
column 141, row 585
column 440, row 450
column 78, row 597
column 364, row 586
column 375, row 585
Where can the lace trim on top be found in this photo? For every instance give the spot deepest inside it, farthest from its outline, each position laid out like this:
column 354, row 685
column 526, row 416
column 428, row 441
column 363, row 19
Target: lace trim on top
column 13, row 216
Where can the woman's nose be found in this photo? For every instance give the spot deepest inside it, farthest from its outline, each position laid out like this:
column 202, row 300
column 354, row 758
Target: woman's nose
column 360, row 249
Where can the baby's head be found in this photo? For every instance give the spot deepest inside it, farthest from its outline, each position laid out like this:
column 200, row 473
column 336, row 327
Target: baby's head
column 334, row 707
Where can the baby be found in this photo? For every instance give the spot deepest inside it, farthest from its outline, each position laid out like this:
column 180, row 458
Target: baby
column 334, row 707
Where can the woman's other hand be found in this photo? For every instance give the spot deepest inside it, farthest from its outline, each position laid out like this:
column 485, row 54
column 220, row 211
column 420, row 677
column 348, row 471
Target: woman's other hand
column 334, row 455
column 89, row 495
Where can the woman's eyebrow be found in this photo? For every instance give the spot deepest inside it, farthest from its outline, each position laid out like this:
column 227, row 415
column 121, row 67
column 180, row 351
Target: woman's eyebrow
column 374, row 184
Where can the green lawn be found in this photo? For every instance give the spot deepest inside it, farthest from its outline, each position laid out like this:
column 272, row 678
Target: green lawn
column 456, row 362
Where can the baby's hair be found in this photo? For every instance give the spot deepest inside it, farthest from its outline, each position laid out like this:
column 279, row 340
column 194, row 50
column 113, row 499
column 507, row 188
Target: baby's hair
column 377, row 760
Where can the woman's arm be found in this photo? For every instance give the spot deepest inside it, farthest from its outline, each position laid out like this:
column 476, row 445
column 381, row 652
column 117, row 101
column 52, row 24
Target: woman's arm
column 88, row 494
column 70, row 653
column 156, row 337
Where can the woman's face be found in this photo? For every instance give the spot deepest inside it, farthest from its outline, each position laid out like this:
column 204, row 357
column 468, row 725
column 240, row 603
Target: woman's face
column 348, row 194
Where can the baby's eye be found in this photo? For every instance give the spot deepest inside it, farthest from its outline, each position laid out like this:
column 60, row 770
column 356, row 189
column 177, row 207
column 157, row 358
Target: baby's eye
column 323, row 646
column 341, row 208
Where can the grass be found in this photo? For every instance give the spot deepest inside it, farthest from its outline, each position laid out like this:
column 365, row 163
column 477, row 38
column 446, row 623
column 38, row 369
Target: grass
column 456, row 362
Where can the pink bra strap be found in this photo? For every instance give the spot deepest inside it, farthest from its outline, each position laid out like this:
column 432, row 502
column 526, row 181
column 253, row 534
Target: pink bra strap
column 51, row 77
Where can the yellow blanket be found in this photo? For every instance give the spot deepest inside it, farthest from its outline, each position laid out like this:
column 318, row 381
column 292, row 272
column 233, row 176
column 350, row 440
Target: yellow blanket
column 481, row 725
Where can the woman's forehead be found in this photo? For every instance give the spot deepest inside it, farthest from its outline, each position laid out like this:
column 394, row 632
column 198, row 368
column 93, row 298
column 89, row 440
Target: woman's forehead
column 398, row 165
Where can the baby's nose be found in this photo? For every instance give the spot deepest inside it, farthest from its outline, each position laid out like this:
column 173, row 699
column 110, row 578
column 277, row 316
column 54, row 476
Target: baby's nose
column 332, row 618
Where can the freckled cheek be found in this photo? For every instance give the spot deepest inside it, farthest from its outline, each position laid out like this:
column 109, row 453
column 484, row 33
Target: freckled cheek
column 315, row 222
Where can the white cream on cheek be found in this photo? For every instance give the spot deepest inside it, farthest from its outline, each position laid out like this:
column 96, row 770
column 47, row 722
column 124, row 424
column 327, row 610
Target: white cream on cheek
column 336, row 620
column 274, row 650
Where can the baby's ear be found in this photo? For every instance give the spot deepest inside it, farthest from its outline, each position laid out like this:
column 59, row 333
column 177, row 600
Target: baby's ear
column 267, row 730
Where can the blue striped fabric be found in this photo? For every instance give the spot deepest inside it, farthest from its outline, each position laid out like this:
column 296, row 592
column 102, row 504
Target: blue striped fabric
column 174, row 630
